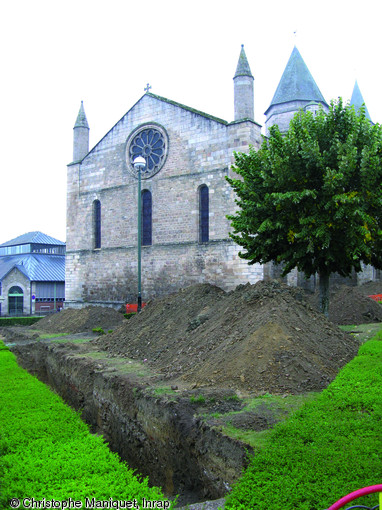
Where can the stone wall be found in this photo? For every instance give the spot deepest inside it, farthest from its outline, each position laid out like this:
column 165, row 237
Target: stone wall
column 243, row 97
column 16, row 278
column 200, row 152
column 109, row 276
column 282, row 114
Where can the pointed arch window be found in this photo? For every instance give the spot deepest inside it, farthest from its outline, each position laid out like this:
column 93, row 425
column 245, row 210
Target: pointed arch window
column 96, row 224
column 147, row 216
column 203, row 214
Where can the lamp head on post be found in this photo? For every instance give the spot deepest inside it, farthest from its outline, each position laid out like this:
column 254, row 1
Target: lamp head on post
column 139, row 163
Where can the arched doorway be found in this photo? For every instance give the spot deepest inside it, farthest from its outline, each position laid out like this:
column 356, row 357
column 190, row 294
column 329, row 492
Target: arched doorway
column 15, row 301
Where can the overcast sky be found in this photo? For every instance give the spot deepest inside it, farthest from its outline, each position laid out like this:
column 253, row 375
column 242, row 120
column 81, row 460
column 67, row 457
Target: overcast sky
column 56, row 53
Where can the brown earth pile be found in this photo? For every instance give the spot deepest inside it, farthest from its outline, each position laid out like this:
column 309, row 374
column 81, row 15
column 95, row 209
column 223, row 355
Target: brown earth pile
column 351, row 305
column 257, row 338
column 80, row 321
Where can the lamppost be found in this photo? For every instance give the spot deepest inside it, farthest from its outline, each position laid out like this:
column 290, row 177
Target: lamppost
column 140, row 166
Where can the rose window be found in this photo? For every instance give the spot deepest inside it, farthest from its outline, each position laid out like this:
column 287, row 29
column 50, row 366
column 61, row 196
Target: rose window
column 150, row 143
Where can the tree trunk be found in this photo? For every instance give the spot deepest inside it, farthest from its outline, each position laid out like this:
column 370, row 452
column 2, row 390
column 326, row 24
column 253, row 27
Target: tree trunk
column 324, row 293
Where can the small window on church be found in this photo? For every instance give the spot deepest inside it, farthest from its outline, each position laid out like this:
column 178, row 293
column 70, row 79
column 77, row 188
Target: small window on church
column 96, row 224
column 203, row 214
column 146, row 218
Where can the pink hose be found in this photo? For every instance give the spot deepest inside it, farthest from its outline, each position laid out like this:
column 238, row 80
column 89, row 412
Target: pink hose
column 354, row 495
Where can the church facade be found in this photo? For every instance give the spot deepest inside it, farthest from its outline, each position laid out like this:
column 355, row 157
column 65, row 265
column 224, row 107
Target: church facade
column 184, row 194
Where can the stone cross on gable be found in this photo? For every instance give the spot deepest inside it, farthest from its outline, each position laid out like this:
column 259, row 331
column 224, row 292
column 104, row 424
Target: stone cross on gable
column 147, row 88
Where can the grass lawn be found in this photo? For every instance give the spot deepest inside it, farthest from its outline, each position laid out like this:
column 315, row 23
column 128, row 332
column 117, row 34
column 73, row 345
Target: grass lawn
column 330, row 446
column 327, row 449
column 47, row 451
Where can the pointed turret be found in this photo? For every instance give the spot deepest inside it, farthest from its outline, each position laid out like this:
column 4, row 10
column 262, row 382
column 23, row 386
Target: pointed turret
column 243, row 89
column 297, row 89
column 357, row 101
column 80, row 135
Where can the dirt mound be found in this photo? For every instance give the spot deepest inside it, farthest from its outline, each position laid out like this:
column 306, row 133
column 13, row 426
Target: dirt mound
column 370, row 288
column 351, row 305
column 79, row 321
column 257, row 338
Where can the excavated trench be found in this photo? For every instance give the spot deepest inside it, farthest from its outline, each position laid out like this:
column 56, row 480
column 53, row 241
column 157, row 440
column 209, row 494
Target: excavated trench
column 256, row 339
column 160, row 436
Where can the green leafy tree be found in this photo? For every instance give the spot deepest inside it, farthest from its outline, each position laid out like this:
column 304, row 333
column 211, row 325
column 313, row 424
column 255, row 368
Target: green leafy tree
column 312, row 199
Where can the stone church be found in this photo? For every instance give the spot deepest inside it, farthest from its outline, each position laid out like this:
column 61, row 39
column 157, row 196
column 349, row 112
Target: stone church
column 184, row 195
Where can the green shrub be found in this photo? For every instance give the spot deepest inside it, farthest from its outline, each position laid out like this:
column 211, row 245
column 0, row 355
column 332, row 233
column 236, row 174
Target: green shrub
column 100, row 331
column 329, row 448
column 200, row 399
column 18, row 321
column 129, row 315
column 234, row 398
column 46, row 451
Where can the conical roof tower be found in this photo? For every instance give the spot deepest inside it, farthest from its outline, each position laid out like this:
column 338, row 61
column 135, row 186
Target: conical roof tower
column 357, row 100
column 81, row 121
column 296, row 89
column 243, row 68
column 243, row 89
column 80, row 135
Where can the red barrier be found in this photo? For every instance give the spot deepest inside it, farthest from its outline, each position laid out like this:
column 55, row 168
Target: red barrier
column 130, row 308
column 356, row 494
column 376, row 297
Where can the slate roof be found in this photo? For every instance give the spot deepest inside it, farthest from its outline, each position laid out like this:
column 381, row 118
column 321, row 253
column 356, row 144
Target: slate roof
column 297, row 83
column 184, row 107
column 33, row 237
column 357, row 100
column 81, row 121
column 243, row 68
column 35, row 266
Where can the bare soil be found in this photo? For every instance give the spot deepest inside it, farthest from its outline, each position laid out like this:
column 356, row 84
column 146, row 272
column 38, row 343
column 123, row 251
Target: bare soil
column 78, row 321
column 255, row 339
column 352, row 305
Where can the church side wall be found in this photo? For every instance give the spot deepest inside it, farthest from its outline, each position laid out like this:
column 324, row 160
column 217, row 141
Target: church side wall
column 197, row 155
column 175, row 211
column 200, row 152
column 110, row 276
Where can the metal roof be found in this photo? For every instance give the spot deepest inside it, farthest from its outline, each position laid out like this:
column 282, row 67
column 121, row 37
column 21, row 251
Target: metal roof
column 35, row 266
column 33, row 237
column 297, row 83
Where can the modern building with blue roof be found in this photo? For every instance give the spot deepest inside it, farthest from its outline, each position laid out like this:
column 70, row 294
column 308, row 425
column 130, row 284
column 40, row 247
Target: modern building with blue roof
column 32, row 274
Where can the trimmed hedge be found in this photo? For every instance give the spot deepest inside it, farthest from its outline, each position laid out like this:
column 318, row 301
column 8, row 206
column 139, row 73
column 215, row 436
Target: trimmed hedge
column 46, row 450
column 18, row 321
column 329, row 448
